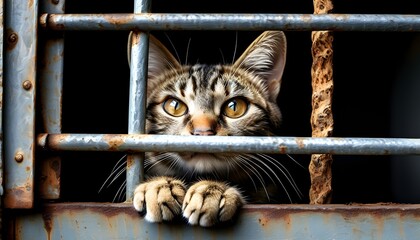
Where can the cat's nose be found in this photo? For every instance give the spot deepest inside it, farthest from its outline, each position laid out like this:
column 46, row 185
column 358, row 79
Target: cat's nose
column 203, row 125
column 203, row 132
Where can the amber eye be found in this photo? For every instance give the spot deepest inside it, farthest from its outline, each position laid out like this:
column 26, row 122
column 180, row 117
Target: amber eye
column 235, row 107
column 174, row 107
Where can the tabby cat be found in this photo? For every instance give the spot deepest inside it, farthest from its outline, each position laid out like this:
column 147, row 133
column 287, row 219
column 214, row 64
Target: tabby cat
column 211, row 100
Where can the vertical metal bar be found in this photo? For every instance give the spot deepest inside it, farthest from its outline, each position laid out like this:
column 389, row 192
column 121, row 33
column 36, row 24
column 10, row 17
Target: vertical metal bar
column 51, row 88
column 19, row 97
column 137, row 99
column 321, row 118
column 1, row 114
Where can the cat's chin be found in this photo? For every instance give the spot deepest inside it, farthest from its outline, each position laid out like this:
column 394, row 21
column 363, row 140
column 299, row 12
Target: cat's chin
column 204, row 162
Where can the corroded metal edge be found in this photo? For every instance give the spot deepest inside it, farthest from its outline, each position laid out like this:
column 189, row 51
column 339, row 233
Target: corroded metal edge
column 121, row 221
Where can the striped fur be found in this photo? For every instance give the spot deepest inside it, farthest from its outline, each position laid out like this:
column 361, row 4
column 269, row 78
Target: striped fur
column 211, row 100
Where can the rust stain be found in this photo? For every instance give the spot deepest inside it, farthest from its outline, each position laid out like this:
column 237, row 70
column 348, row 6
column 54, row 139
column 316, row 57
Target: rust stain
column 118, row 19
column 283, row 149
column 52, row 142
column 50, row 178
column 48, row 224
column 263, row 221
column 19, row 197
column 114, row 141
column 300, row 143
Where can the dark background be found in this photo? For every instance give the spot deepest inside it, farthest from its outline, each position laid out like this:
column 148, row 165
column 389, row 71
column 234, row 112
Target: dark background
column 366, row 65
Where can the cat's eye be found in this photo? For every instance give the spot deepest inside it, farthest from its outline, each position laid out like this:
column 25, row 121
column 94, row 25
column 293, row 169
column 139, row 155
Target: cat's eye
column 174, row 107
column 235, row 107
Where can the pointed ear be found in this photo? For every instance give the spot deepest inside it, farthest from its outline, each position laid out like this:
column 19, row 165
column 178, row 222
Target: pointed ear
column 266, row 58
column 160, row 59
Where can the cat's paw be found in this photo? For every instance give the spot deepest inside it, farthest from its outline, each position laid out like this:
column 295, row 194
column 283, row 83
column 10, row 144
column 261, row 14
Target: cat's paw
column 159, row 198
column 207, row 203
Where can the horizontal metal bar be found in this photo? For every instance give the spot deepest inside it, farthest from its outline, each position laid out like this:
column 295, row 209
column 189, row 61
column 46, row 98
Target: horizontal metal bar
column 176, row 143
column 121, row 221
column 195, row 21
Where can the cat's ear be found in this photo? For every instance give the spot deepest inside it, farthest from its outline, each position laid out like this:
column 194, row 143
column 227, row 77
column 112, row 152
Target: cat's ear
column 266, row 58
column 160, row 59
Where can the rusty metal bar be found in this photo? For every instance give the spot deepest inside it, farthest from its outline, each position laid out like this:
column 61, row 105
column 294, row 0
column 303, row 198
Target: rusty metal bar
column 195, row 21
column 177, row 143
column 121, row 221
column 19, row 102
column 137, row 99
column 1, row 113
column 51, row 89
column 322, row 117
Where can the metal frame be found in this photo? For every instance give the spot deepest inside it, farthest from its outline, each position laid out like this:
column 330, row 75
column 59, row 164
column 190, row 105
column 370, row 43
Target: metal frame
column 19, row 102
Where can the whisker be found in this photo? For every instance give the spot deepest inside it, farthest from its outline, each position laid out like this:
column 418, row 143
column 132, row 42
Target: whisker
column 188, row 51
column 159, row 159
column 236, row 46
column 262, row 169
column 120, row 192
column 221, row 54
column 256, row 173
column 285, row 173
column 289, row 176
column 173, row 46
column 252, row 180
column 281, row 183
column 294, row 160
column 116, row 177
column 116, row 169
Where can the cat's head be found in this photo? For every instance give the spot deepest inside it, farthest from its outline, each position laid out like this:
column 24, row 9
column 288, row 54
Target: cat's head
column 223, row 100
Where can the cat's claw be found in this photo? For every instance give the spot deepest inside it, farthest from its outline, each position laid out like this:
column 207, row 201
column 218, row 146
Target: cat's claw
column 207, row 202
column 160, row 198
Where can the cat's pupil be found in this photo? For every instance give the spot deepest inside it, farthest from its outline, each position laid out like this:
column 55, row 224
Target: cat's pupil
column 232, row 105
column 174, row 104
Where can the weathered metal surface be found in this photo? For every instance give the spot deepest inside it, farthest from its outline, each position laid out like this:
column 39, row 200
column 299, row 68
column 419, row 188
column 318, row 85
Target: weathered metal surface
column 322, row 121
column 1, row 114
column 51, row 89
column 19, row 102
column 1, row 98
column 137, row 98
column 177, row 143
column 120, row 221
column 195, row 21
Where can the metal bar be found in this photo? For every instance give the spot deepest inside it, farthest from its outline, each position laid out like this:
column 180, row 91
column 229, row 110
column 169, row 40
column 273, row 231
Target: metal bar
column 1, row 113
column 194, row 21
column 121, row 221
column 137, row 99
column 19, row 102
column 51, row 89
column 276, row 145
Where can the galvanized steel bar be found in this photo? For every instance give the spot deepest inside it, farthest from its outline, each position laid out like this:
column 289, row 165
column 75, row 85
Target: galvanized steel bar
column 51, row 89
column 243, row 144
column 137, row 99
column 19, row 102
column 195, row 21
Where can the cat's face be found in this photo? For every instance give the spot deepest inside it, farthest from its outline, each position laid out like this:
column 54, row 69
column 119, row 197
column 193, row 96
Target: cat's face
column 221, row 100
